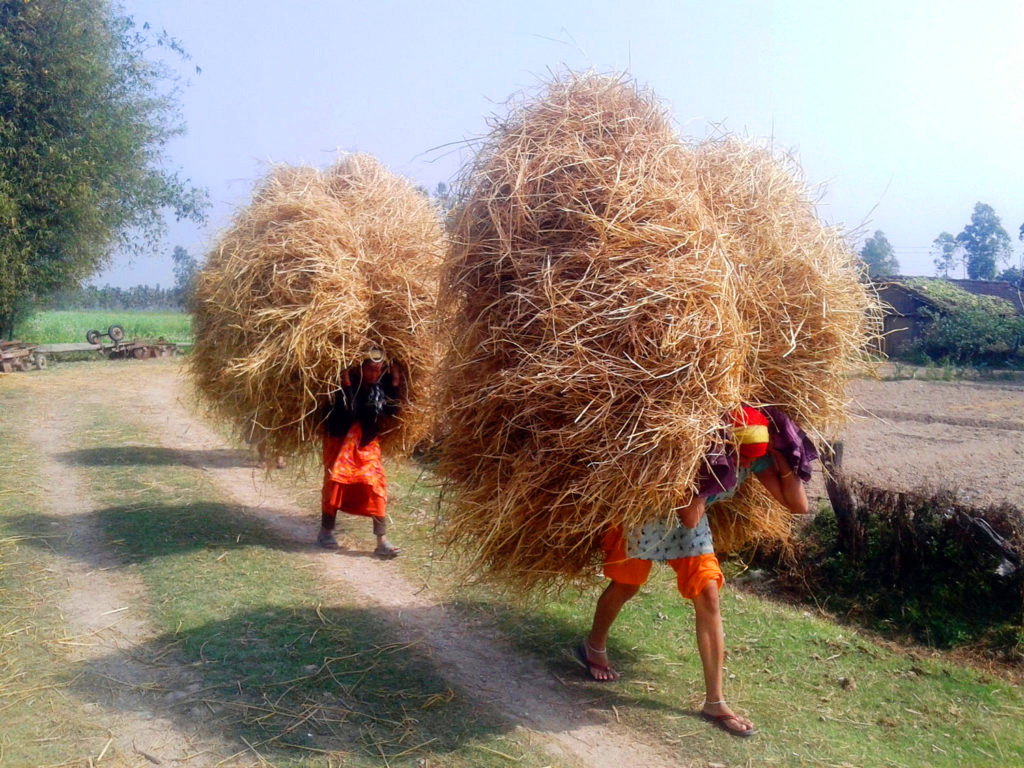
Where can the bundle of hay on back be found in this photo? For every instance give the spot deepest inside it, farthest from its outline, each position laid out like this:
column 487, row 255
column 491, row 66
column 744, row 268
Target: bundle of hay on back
column 809, row 315
column 596, row 341
column 321, row 267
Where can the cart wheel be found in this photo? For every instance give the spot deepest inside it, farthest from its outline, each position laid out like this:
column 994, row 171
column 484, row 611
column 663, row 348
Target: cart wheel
column 139, row 353
column 115, row 332
column 40, row 362
column 93, row 337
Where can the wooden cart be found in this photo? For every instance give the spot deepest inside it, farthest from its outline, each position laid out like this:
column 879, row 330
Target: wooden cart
column 18, row 356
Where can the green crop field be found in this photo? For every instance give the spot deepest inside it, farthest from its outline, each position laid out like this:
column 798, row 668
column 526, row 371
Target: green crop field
column 60, row 327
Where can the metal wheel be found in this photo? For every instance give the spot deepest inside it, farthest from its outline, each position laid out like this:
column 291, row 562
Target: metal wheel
column 93, row 337
column 116, row 333
column 140, row 353
column 40, row 362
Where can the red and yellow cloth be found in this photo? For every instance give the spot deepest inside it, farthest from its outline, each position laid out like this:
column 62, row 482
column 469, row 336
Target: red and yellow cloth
column 353, row 475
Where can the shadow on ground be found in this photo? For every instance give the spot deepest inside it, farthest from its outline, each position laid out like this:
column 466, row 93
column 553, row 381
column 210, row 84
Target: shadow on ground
column 136, row 533
column 290, row 683
column 151, row 455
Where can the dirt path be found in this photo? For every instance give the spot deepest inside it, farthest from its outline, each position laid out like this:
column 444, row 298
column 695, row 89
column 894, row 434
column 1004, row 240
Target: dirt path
column 478, row 660
column 105, row 609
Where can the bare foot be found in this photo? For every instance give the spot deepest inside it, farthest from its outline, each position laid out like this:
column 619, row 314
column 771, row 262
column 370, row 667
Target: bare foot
column 596, row 662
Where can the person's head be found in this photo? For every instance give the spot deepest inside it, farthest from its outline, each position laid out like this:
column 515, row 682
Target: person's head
column 373, row 366
column 750, row 432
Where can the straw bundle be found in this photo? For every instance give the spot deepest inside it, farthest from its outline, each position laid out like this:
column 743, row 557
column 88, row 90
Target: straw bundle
column 809, row 316
column 596, row 341
column 318, row 269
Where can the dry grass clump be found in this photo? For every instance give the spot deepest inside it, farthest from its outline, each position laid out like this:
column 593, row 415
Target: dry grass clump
column 809, row 316
column 596, row 341
column 318, row 269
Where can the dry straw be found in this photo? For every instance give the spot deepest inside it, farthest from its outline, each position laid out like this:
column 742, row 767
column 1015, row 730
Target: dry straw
column 810, row 317
column 603, row 320
column 321, row 267
column 596, row 339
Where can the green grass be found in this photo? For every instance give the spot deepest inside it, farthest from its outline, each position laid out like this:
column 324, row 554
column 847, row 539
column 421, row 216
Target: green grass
column 271, row 644
column 60, row 327
column 820, row 693
column 283, row 663
column 39, row 723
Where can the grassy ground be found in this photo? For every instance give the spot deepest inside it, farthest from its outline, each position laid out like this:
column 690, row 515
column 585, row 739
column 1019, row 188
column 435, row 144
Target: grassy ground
column 284, row 664
column 39, row 723
column 820, row 693
column 67, row 327
column 288, row 665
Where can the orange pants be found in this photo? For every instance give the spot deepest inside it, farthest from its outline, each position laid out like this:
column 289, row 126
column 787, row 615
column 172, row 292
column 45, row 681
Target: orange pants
column 353, row 476
column 692, row 573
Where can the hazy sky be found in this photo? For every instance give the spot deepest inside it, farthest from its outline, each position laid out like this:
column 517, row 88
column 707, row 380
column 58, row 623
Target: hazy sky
column 908, row 112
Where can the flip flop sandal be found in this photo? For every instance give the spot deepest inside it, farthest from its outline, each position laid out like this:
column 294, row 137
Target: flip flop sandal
column 719, row 722
column 581, row 655
column 387, row 551
column 327, row 540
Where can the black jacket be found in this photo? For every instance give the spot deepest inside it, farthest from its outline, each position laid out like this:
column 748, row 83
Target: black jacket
column 369, row 404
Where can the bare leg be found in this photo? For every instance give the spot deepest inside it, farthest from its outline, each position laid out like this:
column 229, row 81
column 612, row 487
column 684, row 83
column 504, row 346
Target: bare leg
column 615, row 595
column 384, row 547
column 711, row 646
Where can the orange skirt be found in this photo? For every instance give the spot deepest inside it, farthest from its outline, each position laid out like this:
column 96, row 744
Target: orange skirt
column 353, row 476
column 692, row 573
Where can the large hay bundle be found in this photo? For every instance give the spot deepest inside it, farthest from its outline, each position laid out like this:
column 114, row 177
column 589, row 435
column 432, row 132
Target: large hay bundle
column 318, row 269
column 613, row 294
column 809, row 316
column 596, row 341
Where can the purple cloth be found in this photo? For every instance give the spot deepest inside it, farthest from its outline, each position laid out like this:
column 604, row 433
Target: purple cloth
column 791, row 441
column 718, row 474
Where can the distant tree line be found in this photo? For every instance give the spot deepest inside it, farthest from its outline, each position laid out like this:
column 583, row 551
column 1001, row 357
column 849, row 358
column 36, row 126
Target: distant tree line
column 111, row 297
column 137, row 297
column 981, row 247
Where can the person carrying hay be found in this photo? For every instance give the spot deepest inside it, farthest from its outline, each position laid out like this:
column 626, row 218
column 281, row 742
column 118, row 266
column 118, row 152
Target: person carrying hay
column 354, row 479
column 770, row 447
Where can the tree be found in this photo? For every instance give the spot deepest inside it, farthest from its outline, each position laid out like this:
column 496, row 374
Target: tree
column 1011, row 275
column 185, row 270
column 84, row 119
column 878, row 256
column 445, row 196
column 944, row 248
column 985, row 242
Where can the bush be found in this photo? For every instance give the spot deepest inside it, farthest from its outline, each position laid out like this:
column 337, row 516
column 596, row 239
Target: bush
column 974, row 336
column 921, row 564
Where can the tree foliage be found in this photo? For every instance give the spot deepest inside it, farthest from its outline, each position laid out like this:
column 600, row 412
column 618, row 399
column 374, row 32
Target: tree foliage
column 944, row 248
column 985, row 243
column 85, row 115
column 92, row 297
column 974, row 336
column 878, row 256
column 185, row 270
